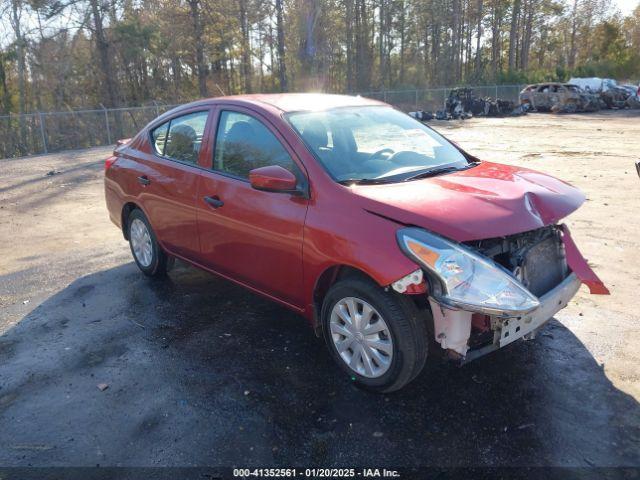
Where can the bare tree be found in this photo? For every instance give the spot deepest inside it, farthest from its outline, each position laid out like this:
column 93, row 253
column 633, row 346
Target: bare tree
column 513, row 34
column 282, row 66
column 478, row 67
column 201, row 67
column 308, row 49
column 105, row 55
column 247, row 70
column 574, row 30
column 20, row 43
column 530, row 9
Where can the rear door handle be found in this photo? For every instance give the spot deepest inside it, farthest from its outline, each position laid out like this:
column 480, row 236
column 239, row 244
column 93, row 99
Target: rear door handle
column 143, row 180
column 215, row 202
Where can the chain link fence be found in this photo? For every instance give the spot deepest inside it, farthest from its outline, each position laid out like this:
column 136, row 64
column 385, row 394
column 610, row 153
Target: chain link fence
column 46, row 132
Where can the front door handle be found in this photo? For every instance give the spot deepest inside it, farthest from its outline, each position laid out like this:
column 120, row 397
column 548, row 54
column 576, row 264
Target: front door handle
column 143, row 180
column 215, row 202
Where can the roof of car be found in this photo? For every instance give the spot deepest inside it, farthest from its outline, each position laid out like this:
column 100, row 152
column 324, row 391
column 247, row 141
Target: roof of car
column 294, row 102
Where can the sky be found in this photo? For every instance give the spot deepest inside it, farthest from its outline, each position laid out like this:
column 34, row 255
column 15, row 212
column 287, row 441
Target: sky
column 626, row 6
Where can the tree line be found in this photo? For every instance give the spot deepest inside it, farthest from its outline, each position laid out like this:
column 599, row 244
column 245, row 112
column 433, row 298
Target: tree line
column 64, row 54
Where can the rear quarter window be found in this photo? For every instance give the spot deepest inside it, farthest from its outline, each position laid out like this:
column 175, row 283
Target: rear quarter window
column 159, row 137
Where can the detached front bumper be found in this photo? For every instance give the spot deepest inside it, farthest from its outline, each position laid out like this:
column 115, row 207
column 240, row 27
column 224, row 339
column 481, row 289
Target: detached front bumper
column 452, row 328
column 508, row 330
column 550, row 304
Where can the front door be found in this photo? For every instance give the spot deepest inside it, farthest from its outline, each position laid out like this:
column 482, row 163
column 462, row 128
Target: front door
column 252, row 236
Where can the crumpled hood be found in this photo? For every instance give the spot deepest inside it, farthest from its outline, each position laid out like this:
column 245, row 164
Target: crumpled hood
column 490, row 200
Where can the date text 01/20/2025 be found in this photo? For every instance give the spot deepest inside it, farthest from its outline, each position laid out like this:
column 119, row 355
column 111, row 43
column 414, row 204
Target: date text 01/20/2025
column 316, row 473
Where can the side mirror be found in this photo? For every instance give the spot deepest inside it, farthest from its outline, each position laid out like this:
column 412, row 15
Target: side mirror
column 273, row 178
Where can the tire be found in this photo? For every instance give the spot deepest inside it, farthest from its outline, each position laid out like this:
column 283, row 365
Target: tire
column 406, row 331
column 154, row 261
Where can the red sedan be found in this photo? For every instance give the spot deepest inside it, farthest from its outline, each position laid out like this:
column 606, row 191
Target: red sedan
column 393, row 242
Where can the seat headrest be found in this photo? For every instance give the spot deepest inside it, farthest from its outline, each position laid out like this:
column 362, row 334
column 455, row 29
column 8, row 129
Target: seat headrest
column 182, row 143
column 185, row 131
column 315, row 133
column 240, row 131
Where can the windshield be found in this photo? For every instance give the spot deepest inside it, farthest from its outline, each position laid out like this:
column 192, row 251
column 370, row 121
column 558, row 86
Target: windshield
column 374, row 143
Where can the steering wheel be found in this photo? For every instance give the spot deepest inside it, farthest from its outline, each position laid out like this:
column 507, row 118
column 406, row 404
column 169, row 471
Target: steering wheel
column 375, row 155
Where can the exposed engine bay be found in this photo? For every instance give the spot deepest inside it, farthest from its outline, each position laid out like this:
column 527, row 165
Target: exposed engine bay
column 536, row 258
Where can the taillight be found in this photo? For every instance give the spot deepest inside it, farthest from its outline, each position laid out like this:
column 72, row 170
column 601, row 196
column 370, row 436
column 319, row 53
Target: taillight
column 109, row 161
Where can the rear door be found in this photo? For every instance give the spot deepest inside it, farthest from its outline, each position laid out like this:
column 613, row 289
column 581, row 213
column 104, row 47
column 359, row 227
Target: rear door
column 252, row 236
column 170, row 180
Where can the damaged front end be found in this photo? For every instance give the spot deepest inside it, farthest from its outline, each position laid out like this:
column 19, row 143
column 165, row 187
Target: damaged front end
column 485, row 294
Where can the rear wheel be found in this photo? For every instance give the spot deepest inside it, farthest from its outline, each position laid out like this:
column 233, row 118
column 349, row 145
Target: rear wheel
column 147, row 253
column 377, row 337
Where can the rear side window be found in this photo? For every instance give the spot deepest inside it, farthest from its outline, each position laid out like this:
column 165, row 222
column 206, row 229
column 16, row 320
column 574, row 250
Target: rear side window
column 185, row 137
column 181, row 137
column 244, row 143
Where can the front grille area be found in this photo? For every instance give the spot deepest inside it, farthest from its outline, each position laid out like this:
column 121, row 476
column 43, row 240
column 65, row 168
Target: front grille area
column 544, row 266
column 536, row 258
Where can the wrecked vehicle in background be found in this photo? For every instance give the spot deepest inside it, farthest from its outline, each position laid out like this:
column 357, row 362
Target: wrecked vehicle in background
column 633, row 90
column 558, row 98
column 462, row 103
column 615, row 97
column 633, row 101
column 611, row 94
column 390, row 240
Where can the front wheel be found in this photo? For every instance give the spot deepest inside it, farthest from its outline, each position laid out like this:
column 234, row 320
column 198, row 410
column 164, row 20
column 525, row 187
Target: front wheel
column 378, row 337
column 147, row 253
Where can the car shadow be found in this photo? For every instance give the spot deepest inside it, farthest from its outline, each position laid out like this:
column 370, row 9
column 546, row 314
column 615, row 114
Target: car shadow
column 117, row 369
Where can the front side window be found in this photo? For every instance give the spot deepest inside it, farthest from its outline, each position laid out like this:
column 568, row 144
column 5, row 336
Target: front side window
column 244, row 143
column 181, row 137
column 374, row 143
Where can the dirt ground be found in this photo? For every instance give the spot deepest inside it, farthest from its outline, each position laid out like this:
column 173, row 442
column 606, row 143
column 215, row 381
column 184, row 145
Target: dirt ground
column 200, row 372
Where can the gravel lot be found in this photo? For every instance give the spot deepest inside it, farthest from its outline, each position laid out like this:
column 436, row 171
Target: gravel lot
column 201, row 372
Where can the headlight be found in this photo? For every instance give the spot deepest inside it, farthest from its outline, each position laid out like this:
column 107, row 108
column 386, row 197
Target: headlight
column 465, row 279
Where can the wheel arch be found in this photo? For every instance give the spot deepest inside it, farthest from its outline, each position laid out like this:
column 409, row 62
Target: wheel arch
column 127, row 208
column 325, row 280
column 337, row 272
